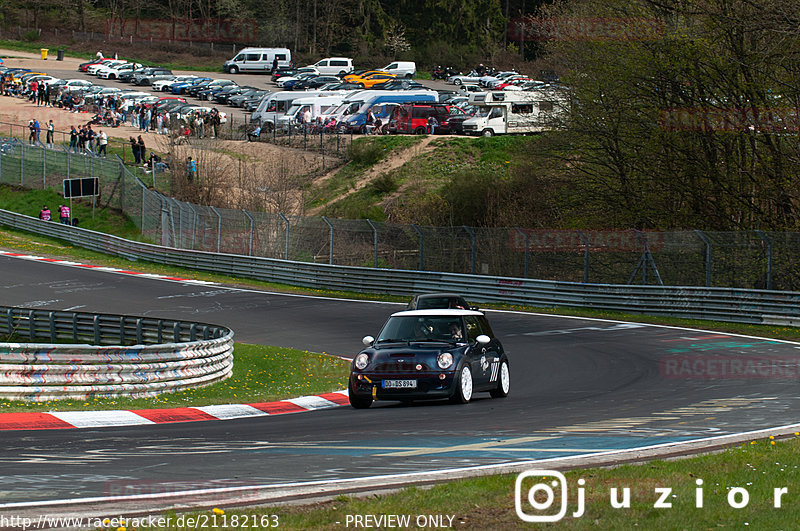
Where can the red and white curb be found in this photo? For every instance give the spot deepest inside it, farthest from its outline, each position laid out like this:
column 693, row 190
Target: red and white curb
column 105, row 269
column 139, row 417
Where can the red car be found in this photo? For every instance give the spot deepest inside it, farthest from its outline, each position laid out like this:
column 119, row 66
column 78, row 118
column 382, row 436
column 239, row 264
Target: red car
column 413, row 118
column 83, row 67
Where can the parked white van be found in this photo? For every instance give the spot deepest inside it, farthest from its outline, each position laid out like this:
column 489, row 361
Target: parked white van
column 317, row 105
column 333, row 66
column 402, row 68
column 257, row 60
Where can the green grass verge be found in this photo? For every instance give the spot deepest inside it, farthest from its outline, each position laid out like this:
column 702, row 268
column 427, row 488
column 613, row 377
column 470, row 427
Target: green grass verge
column 36, row 45
column 260, row 374
column 488, row 502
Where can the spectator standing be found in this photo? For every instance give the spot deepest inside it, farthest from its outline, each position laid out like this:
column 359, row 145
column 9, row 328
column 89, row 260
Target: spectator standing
column 102, row 142
column 73, row 139
column 44, row 213
column 50, row 133
column 216, row 120
column 307, row 119
column 191, row 169
column 99, row 55
column 32, row 135
column 134, row 149
column 90, row 136
column 82, row 140
column 432, row 123
column 37, row 129
column 63, row 214
column 274, row 65
column 142, row 149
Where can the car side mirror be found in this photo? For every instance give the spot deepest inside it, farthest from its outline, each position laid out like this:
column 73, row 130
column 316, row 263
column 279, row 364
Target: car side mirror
column 483, row 339
column 368, row 340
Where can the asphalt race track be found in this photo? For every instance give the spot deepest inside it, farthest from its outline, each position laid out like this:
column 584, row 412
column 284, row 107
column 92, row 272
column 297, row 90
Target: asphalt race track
column 578, row 386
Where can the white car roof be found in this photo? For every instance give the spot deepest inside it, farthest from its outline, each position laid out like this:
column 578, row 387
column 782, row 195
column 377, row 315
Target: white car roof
column 436, row 312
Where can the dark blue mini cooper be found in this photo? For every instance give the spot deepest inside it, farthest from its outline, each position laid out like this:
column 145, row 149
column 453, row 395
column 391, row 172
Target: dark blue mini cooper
column 430, row 354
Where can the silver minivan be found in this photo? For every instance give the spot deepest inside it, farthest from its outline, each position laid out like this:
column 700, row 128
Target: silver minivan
column 258, row 60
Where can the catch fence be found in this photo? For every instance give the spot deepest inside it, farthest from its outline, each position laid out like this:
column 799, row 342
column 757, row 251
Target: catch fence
column 745, row 259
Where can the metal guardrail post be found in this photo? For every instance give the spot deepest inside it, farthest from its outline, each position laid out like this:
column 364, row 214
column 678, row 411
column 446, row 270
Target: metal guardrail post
column 75, row 327
column 585, row 256
column 252, row 228
column 219, row 228
column 769, row 257
column 330, row 252
column 527, row 248
column 374, row 241
column 139, row 332
column 708, row 255
column 121, row 330
column 286, row 221
column 421, row 246
column 176, row 332
column 32, row 325
column 52, row 327
column 474, row 247
column 96, row 326
column 69, row 159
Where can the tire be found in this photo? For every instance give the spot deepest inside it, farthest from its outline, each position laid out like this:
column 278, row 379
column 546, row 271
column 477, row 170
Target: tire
column 487, row 133
column 361, row 85
column 457, row 82
column 233, row 70
column 358, row 402
column 463, row 392
column 503, row 382
column 419, row 131
column 408, row 76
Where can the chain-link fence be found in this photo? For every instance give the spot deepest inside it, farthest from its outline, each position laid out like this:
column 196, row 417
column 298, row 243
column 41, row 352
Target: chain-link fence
column 759, row 260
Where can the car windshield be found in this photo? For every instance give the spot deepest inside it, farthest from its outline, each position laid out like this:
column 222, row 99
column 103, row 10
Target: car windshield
column 421, row 328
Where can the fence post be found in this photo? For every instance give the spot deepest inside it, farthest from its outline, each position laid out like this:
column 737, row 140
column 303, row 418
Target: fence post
column 32, row 325
column 22, row 164
column 219, row 228
column 69, row 159
column 44, row 169
column 421, row 246
column 330, row 252
column 708, row 255
column 252, row 228
column 286, row 221
column 474, row 247
column 374, row 241
column 769, row 257
column 144, row 198
column 527, row 248
column 194, row 224
column 585, row 256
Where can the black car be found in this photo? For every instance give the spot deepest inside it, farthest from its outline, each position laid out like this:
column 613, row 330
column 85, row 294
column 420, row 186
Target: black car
column 127, row 75
column 314, row 82
column 398, row 84
column 195, row 88
column 283, row 71
column 430, row 354
column 433, row 301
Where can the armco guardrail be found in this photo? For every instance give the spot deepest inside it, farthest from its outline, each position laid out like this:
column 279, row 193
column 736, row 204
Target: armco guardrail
column 94, row 355
column 727, row 304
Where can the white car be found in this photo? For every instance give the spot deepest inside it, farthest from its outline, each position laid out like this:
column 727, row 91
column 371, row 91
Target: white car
column 92, row 69
column 114, row 72
column 486, row 81
column 76, row 84
column 162, row 85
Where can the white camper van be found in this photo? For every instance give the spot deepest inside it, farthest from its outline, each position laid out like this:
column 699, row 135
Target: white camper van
column 501, row 112
column 318, row 105
column 257, row 60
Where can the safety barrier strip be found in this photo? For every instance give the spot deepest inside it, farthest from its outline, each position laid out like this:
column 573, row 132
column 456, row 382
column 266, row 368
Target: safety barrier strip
column 100, row 419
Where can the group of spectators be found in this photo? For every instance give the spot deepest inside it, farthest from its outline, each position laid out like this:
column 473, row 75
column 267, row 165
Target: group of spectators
column 83, row 139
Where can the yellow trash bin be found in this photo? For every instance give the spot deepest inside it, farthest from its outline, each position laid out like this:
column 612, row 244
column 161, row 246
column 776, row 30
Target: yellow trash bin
column 44, row 53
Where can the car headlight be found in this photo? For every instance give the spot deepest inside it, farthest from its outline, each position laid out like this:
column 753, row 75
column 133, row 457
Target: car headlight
column 362, row 360
column 444, row 360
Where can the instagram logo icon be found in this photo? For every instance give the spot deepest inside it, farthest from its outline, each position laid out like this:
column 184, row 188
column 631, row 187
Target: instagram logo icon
column 541, row 496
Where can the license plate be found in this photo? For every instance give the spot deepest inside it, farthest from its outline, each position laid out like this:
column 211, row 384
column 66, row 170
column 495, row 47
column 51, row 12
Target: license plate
column 399, row 384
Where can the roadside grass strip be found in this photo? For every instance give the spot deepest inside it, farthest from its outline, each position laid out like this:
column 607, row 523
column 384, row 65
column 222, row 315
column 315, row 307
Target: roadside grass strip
column 740, row 487
column 265, row 380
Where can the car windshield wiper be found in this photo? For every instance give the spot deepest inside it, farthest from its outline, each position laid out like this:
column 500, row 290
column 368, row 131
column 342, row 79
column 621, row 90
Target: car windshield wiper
column 393, row 341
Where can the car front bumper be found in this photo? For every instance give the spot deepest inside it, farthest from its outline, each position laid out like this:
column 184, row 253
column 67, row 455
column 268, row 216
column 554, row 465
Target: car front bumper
column 428, row 386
